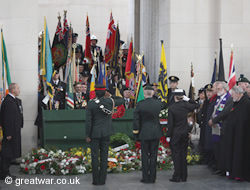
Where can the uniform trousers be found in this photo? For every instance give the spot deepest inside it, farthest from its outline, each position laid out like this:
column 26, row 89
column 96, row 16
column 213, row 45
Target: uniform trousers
column 179, row 145
column 102, row 145
column 149, row 150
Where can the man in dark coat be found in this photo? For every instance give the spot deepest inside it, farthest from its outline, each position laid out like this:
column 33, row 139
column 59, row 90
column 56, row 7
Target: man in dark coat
column 173, row 85
column 236, row 136
column 146, row 128
column 59, row 92
column 178, row 130
column 98, row 130
column 210, row 160
column 12, row 122
column 80, row 100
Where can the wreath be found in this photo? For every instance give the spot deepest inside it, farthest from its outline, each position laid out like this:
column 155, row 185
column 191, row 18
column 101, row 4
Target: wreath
column 119, row 111
column 119, row 139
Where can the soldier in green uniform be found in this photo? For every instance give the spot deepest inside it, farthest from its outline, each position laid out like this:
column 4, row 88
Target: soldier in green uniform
column 98, row 130
column 146, row 128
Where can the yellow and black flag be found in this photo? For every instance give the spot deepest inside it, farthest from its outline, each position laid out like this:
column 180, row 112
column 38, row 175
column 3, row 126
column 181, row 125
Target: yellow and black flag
column 163, row 77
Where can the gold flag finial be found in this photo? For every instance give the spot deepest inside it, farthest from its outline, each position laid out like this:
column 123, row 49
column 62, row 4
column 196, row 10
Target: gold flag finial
column 59, row 17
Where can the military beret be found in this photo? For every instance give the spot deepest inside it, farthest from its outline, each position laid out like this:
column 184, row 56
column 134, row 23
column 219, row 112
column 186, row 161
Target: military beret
column 243, row 79
column 173, row 78
column 126, row 88
column 76, row 83
column 154, row 84
column 75, row 35
column 148, row 87
column 209, row 87
column 178, row 92
column 85, row 73
column 100, row 87
column 79, row 48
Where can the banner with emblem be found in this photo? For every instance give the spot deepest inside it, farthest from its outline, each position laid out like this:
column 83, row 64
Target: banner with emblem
column 59, row 50
column 110, row 41
column 163, row 76
column 47, row 59
column 5, row 67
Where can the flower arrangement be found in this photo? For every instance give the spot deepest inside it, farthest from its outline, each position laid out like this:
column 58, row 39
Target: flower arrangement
column 119, row 111
column 125, row 158
column 192, row 157
column 163, row 114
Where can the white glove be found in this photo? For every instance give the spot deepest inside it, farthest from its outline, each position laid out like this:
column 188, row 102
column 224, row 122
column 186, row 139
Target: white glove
column 123, row 82
column 168, row 139
column 185, row 98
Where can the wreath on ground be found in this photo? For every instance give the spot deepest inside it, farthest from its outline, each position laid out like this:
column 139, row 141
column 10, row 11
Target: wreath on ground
column 119, row 139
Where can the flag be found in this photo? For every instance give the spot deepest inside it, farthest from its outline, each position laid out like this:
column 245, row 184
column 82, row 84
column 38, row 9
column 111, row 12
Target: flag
column 231, row 76
column 88, row 54
column 65, row 30
column 47, row 59
column 191, row 93
column 132, row 77
column 139, row 90
column 221, row 75
column 214, row 76
column 114, row 61
column 59, row 50
column 128, row 64
column 144, row 74
column 102, row 77
column 110, row 41
column 5, row 67
column 117, row 92
column 68, row 65
column 92, row 83
column 69, row 92
column 163, row 76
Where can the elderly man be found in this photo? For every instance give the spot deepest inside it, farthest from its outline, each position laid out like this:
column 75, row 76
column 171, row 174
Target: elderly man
column 237, row 137
column 147, row 128
column 80, row 99
column 221, row 109
column 243, row 82
column 12, row 122
column 178, row 130
column 248, row 90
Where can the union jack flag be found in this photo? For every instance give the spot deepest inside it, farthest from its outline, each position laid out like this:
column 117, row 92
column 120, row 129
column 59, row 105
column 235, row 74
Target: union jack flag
column 59, row 32
column 232, row 75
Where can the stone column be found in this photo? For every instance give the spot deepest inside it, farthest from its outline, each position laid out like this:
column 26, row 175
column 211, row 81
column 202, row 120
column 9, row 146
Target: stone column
column 149, row 36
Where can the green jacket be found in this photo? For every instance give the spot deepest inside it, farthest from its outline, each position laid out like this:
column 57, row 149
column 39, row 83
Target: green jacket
column 146, row 119
column 99, row 123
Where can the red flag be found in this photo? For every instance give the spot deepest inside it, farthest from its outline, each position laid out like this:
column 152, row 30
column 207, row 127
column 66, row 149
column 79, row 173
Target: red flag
column 88, row 54
column 110, row 41
column 128, row 64
column 231, row 76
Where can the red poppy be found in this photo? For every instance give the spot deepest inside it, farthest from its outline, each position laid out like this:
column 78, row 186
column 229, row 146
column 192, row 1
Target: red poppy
column 35, row 160
column 160, row 149
column 163, row 162
column 42, row 167
column 26, row 169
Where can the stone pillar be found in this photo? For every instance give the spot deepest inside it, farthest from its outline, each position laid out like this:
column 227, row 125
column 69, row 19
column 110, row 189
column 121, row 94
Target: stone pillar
column 149, row 36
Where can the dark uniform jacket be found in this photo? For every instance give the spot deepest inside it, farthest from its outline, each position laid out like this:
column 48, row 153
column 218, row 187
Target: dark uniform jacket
column 146, row 119
column 81, row 103
column 60, row 91
column 99, row 123
column 177, row 117
column 12, row 122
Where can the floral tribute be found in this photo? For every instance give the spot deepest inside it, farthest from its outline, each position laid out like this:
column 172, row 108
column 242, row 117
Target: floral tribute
column 124, row 158
column 119, row 111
